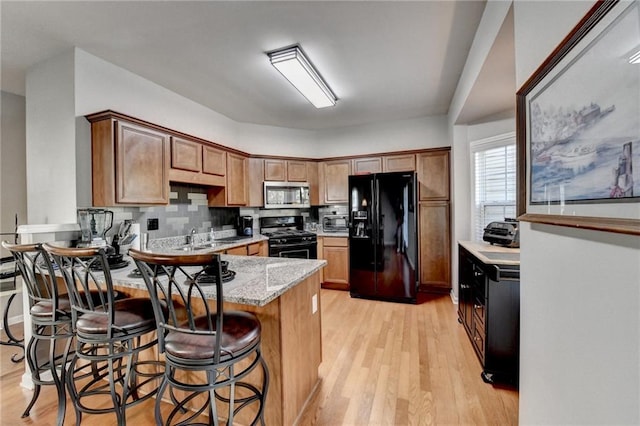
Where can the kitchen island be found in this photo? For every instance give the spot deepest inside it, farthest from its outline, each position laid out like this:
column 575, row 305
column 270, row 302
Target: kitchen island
column 489, row 307
column 284, row 294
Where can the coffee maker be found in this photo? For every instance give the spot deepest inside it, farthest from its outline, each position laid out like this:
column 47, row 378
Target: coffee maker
column 245, row 226
column 94, row 224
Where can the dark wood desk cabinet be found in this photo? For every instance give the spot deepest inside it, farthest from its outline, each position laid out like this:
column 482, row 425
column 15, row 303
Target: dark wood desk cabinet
column 489, row 309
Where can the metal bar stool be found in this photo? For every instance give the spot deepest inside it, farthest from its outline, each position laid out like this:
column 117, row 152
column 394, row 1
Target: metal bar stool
column 108, row 336
column 50, row 320
column 224, row 346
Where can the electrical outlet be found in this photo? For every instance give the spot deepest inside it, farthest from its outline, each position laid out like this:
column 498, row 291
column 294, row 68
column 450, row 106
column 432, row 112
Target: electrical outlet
column 314, row 303
column 152, row 224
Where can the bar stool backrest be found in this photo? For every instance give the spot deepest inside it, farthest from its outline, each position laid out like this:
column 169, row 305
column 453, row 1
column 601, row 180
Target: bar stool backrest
column 178, row 278
column 38, row 275
column 88, row 280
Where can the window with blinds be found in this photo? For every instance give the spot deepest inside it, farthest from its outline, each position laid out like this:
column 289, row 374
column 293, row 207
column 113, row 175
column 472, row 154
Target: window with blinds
column 494, row 182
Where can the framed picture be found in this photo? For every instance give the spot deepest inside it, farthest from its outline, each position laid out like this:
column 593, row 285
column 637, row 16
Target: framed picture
column 578, row 126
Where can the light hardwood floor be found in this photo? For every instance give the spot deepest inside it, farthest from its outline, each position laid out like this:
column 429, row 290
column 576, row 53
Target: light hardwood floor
column 383, row 364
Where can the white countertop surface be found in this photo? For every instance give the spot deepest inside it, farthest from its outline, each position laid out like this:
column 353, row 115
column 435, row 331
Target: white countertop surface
column 333, row 234
column 491, row 254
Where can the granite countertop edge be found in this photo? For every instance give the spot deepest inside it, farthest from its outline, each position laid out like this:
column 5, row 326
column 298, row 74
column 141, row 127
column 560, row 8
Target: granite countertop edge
column 249, row 286
column 332, row 234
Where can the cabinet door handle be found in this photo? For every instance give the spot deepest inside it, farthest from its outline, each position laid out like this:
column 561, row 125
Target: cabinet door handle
column 478, row 306
column 477, row 339
column 465, row 286
column 478, row 274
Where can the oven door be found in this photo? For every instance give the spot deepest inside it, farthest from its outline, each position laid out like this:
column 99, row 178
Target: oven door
column 303, row 250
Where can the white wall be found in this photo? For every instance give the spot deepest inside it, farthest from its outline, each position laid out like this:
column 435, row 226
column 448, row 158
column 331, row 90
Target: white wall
column 462, row 134
column 461, row 177
column 101, row 85
column 13, row 182
column 50, row 134
column 580, row 290
column 418, row 133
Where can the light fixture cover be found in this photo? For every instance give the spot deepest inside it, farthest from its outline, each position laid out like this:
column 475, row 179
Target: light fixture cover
column 295, row 67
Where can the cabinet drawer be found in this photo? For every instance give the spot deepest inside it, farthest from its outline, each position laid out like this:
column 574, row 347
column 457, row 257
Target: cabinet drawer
column 238, row 251
column 478, row 342
column 253, row 249
column 479, row 316
column 336, row 242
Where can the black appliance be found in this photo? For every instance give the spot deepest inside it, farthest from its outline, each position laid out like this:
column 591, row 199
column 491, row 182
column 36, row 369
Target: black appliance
column 383, row 243
column 502, row 233
column 287, row 237
column 245, row 226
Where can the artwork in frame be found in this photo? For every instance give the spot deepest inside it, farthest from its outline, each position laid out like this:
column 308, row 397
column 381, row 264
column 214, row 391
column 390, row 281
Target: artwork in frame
column 579, row 117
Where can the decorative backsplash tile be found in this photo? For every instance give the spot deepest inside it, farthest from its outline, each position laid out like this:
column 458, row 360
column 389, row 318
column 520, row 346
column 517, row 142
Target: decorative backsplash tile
column 188, row 208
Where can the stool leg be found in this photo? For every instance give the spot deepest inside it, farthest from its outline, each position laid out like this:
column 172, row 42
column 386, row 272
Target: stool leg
column 265, row 388
column 71, row 387
column 33, row 366
column 58, row 381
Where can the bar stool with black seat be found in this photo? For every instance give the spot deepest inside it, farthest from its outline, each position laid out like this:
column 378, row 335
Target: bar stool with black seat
column 108, row 337
column 223, row 345
column 50, row 314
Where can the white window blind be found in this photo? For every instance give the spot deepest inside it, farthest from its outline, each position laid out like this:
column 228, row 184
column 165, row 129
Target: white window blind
column 494, row 182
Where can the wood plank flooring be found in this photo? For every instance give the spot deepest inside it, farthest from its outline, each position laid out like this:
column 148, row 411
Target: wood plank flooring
column 383, row 364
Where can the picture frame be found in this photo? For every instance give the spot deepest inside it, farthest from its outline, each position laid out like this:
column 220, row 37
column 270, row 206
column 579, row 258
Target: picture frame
column 578, row 126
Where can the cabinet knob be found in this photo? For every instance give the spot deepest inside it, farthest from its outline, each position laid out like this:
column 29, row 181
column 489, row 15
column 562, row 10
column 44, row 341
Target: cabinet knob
column 478, row 274
column 478, row 306
column 477, row 339
column 465, row 286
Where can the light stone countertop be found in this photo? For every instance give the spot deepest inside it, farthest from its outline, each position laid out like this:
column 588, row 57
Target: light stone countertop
column 199, row 239
column 258, row 280
column 332, row 234
column 492, row 254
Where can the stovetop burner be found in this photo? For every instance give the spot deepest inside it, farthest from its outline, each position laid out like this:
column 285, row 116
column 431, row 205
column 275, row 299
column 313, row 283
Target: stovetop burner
column 205, row 278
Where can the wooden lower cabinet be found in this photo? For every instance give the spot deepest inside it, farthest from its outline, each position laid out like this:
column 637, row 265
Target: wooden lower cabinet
column 435, row 246
column 291, row 347
column 335, row 250
column 260, row 248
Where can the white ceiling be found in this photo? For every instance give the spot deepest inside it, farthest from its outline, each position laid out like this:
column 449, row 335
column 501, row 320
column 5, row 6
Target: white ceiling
column 385, row 60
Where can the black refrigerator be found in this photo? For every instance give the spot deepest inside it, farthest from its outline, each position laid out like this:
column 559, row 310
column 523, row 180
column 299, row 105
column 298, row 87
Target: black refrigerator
column 383, row 243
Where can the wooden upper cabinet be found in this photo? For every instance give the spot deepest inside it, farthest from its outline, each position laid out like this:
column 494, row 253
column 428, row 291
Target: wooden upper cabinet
column 142, row 160
column 236, row 189
column 214, row 161
column 275, row 169
column 196, row 162
column 333, row 180
column 399, row 163
column 255, row 173
column 285, row 170
column 186, row 154
column 312, row 179
column 129, row 162
column 296, row 171
column 433, row 175
column 366, row 165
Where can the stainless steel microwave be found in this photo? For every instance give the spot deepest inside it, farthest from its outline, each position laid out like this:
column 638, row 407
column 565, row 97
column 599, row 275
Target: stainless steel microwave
column 283, row 195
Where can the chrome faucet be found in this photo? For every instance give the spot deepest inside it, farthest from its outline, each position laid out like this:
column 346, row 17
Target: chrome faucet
column 191, row 237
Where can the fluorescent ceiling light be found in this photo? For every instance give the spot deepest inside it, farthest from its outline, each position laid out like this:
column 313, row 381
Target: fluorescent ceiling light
column 635, row 58
column 295, row 67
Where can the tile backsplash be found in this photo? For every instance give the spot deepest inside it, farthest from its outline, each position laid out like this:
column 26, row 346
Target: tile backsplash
column 187, row 209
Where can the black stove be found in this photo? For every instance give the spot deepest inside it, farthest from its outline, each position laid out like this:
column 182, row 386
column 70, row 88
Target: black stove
column 287, row 237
